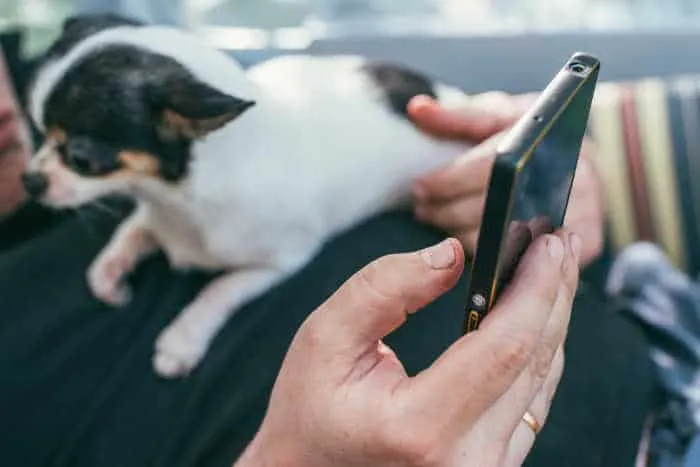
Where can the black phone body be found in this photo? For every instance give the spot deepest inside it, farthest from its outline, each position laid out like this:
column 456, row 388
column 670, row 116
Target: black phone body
column 528, row 192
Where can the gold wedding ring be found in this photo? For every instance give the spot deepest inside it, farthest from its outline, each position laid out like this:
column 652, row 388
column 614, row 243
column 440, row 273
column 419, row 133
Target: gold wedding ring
column 532, row 422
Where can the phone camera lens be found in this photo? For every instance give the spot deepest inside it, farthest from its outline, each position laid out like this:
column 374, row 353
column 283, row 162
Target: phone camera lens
column 578, row 67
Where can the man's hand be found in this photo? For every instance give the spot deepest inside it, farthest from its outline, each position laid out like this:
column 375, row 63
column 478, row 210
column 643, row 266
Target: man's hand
column 452, row 198
column 342, row 397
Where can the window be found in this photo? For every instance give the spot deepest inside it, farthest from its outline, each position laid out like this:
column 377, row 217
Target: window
column 261, row 23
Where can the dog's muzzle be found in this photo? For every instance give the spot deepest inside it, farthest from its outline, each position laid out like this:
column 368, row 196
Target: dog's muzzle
column 35, row 184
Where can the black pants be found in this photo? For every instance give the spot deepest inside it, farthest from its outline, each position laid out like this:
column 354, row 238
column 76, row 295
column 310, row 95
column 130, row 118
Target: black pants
column 77, row 387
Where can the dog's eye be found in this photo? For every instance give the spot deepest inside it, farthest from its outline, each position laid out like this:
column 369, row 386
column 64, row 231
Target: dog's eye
column 81, row 164
column 87, row 157
column 78, row 162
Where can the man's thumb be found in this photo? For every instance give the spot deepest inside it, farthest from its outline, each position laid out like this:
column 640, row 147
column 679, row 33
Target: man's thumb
column 377, row 299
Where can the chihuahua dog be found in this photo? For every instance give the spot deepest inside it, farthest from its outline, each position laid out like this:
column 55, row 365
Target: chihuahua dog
column 247, row 172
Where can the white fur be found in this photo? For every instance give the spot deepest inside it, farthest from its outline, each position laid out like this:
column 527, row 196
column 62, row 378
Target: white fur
column 318, row 153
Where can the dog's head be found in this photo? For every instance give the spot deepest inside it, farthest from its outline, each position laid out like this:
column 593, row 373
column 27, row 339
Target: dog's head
column 121, row 103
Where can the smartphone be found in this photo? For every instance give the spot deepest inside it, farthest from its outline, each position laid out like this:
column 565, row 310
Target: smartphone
column 530, row 183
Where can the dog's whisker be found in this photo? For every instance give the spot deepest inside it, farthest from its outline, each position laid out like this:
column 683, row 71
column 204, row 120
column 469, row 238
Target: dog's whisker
column 102, row 206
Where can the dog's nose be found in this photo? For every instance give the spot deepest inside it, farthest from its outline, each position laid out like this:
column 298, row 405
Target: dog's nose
column 35, row 184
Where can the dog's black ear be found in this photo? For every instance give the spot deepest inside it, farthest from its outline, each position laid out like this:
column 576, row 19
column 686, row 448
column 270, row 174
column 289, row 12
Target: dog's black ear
column 192, row 109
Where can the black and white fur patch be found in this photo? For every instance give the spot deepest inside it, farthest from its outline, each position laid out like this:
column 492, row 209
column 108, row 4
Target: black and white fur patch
column 116, row 98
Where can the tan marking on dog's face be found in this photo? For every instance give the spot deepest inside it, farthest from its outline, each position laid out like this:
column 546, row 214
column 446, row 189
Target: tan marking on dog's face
column 68, row 188
column 140, row 162
column 57, row 135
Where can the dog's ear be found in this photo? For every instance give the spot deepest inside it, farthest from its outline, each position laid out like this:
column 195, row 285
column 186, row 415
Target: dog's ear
column 191, row 109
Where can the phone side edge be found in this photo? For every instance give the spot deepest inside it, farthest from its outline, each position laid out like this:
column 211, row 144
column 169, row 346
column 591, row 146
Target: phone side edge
column 483, row 277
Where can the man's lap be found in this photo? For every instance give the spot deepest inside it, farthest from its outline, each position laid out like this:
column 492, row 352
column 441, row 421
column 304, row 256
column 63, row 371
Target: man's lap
column 78, row 387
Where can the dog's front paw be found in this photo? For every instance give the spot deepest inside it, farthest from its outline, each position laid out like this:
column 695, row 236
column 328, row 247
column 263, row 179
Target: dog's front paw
column 105, row 278
column 178, row 351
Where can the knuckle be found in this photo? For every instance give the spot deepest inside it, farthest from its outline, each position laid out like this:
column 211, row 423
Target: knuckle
column 309, row 336
column 428, row 214
column 450, row 214
column 378, row 291
column 569, row 282
column 557, row 369
column 545, row 299
column 549, row 388
column 541, row 362
column 514, row 354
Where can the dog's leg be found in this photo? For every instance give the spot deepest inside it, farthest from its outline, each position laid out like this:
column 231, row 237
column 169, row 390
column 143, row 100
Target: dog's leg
column 131, row 242
column 182, row 345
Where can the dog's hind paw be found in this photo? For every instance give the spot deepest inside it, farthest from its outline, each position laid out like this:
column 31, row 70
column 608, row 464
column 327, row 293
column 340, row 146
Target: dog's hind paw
column 177, row 352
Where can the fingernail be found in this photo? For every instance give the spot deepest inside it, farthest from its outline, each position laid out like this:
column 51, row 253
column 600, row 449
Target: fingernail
column 575, row 241
column 440, row 256
column 556, row 249
column 421, row 101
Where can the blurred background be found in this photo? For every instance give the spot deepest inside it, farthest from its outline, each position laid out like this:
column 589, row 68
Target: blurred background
column 289, row 24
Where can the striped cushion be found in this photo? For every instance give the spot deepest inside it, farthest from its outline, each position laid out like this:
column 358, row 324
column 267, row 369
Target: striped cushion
column 648, row 133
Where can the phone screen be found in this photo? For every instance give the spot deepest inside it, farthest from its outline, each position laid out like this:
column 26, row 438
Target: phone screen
column 541, row 191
